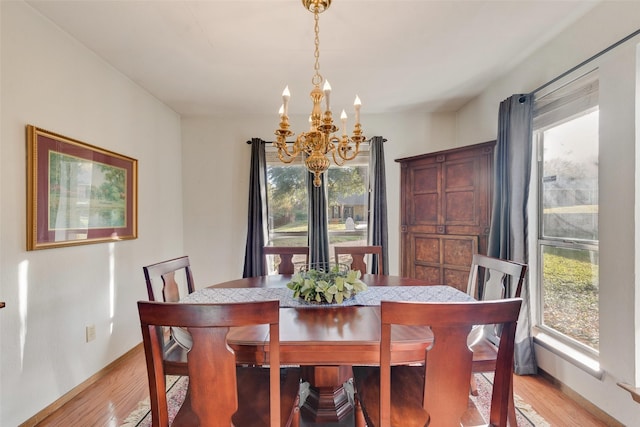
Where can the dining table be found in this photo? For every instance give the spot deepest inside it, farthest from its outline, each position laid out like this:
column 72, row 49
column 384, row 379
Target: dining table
column 326, row 340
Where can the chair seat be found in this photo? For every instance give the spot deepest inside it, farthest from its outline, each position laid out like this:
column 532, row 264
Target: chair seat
column 175, row 359
column 407, row 387
column 485, row 355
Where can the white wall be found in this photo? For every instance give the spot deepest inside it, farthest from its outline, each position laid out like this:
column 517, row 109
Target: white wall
column 50, row 81
column 216, row 180
column 619, row 117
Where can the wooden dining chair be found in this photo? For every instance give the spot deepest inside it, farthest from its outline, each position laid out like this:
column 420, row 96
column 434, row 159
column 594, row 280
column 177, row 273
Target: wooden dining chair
column 169, row 281
column 491, row 279
column 286, row 254
column 220, row 393
column 437, row 392
column 357, row 256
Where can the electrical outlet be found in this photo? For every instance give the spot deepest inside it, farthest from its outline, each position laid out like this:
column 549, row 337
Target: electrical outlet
column 91, row 332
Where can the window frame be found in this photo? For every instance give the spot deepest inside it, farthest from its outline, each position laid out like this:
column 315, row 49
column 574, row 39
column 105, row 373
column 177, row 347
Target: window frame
column 565, row 346
column 363, row 159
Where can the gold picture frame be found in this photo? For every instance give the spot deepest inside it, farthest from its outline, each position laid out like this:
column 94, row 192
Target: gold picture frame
column 78, row 193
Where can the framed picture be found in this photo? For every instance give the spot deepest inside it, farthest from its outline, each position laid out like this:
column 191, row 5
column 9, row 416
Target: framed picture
column 77, row 193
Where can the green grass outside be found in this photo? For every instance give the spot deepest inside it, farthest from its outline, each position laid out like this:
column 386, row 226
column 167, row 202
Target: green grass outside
column 302, row 226
column 571, row 292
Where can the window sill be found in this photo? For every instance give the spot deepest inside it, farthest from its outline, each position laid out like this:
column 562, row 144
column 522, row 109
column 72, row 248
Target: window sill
column 581, row 360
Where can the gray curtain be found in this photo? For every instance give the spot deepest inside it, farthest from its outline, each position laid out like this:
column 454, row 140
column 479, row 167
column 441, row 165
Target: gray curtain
column 508, row 233
column 378, row 232
column 318, row 236
column 254, row 263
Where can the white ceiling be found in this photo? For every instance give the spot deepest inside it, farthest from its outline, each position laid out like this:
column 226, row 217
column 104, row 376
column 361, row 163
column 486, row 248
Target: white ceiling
column 235, row 56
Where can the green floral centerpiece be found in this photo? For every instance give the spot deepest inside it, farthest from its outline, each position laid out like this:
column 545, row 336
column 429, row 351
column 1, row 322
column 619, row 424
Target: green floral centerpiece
column 326, row 287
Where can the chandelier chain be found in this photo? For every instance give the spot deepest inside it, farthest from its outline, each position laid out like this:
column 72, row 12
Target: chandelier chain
column 317, row 78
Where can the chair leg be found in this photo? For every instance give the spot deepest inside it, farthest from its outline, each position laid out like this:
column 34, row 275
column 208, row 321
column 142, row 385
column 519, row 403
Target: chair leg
column 511, row 408
column 294, row 416
column 358, row 415
column 474, row 386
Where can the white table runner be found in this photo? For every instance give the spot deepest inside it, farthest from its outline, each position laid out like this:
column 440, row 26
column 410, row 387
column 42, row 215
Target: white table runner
column 371, row 297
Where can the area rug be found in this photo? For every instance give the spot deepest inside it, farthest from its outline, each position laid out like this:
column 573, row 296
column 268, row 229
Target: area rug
column 177, row 389
column 525, row 415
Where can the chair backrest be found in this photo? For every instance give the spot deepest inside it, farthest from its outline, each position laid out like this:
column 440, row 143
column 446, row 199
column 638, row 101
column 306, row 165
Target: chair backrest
column 494, row 275
column 357, row 256
column 211, row 362
column 448, row 362
column 286, row 254
column 167, row 270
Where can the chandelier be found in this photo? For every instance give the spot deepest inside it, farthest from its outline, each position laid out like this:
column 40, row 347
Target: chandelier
column 320, row 139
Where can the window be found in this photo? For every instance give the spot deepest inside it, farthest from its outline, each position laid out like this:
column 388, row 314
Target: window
column 287, row 201
column 347, row 201
column 566, row 134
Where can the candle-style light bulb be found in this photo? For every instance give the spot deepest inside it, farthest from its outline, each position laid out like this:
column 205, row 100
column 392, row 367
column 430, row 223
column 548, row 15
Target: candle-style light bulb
column 343, row 117
column 285, row 100
column 357, row 103
column 281, row 110
column 327, row 92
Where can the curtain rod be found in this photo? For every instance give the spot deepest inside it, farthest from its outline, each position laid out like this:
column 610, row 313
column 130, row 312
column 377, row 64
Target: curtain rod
column 271, row 142
column 585, row 62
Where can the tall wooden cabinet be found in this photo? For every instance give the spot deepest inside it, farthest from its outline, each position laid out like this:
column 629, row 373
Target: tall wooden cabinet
column 445, row 212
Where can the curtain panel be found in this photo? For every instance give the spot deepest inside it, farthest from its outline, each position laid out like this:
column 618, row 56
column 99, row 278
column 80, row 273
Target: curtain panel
column 508, row 232
column 254, row 262
column 378, row 231
column 318, row 236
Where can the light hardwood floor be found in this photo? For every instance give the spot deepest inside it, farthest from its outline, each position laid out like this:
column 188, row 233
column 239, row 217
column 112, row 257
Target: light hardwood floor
column 110, row 400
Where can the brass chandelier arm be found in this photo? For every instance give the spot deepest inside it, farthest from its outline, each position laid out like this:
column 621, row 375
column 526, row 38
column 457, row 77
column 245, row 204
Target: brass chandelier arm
column 285, row 156
column 343, row 152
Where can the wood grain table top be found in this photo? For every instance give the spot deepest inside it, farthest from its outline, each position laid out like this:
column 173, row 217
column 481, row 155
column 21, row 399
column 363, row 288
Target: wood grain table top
column 338, row 334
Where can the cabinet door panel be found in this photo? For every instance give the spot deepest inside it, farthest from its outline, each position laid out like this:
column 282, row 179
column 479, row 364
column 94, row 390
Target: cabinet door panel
column 461, row 191
column 429, row 274
column 426, row 249
column 456, row 278
column 425, row 209
column 425, row 190
column 458, row 250
column 425, row 178
column 461, row 174
column 461, row 208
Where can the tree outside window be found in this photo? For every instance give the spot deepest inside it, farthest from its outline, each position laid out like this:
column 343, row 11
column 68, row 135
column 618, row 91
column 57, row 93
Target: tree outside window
column 347, row 202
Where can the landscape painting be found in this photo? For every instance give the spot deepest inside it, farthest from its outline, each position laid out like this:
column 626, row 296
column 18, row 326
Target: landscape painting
column 78, row 193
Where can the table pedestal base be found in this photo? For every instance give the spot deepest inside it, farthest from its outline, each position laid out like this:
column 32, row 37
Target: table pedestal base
column 327, row 401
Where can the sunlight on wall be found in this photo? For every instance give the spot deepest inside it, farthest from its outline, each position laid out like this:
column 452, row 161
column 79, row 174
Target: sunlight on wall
column 112, row 285
column 23, row 287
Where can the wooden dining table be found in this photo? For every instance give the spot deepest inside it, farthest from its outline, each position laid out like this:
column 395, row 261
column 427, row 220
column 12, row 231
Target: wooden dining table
column 326, row 340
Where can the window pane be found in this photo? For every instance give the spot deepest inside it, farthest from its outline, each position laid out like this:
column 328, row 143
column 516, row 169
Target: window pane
column 570, row 179
column 348, row 200
column 570, row 289
column 288, row 204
